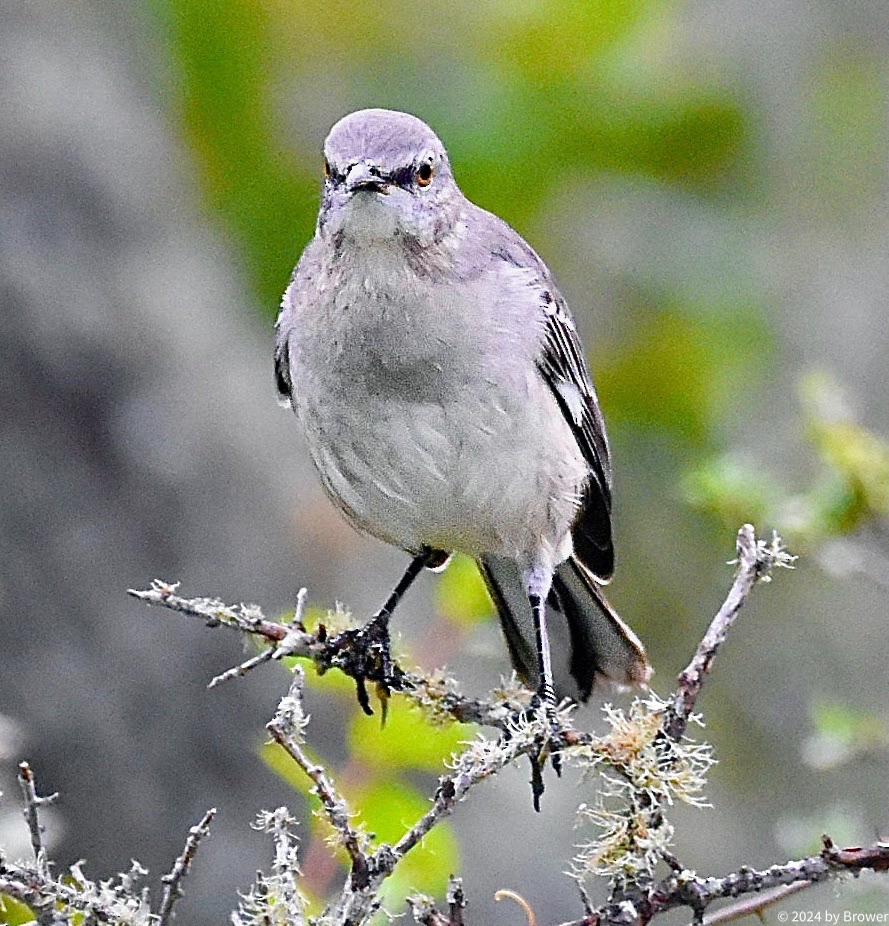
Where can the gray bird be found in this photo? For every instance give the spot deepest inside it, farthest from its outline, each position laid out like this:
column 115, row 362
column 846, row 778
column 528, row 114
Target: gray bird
column 443, row 391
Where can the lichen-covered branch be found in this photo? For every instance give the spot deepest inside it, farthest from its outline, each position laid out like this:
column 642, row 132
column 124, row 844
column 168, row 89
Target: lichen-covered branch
column 756, row 560
column 642, row 765
column 32, row 804
column 288, row 729
column 72, row 897
column 325, row 651
column 687, row 889
column 172, row 889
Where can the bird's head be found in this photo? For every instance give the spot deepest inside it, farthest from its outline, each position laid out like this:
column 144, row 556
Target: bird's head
column 386, row 175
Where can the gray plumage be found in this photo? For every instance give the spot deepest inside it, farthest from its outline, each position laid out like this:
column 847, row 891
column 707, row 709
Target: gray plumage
column 443, row 391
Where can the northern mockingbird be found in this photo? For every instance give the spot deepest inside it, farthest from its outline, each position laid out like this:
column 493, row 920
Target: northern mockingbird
column 441, row 385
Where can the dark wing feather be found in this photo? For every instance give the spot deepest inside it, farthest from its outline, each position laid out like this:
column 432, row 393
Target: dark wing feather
column 563, row 366
column 282, row 371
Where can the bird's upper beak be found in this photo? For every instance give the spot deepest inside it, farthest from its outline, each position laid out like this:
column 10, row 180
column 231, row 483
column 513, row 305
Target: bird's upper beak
column 364, row 176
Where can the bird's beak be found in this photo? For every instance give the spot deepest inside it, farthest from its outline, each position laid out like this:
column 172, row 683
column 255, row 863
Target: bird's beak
column 363, row 176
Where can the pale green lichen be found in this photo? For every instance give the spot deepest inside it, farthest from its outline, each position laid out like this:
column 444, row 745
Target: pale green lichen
column 640, row 773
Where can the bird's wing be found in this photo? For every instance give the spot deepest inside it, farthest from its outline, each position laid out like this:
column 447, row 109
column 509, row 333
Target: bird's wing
column 282, row 349
column 563, row 366
column 302, row 281
column 282, row 370
column 562, row 363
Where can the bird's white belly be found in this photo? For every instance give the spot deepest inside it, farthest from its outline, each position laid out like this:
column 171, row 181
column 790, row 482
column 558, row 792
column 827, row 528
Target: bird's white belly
column 497, row 474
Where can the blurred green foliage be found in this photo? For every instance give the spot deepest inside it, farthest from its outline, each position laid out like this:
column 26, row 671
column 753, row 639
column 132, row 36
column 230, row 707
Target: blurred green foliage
column 13, row 912
column 850, row 126
column 849, row 486
column 524, row 94
column 460, row 594
column 533, row 99
column 841, row 733
column 407, row 741
column 683, row 367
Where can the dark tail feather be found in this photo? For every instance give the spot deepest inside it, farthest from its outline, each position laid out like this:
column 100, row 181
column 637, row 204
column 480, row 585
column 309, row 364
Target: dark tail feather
column 589, row 642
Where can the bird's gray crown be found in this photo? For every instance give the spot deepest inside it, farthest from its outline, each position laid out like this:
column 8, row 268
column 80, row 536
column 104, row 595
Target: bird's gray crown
column 391, row 141
column 388, row 178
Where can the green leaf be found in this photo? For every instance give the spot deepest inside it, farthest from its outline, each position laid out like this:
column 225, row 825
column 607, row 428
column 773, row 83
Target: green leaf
column 461, row 595
column 13, row 912
column 408, row 741
column 389, row 809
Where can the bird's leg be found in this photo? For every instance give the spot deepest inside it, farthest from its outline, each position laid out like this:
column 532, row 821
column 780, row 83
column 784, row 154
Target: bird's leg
column 367, row 651
column 377, row 627
column 538, row 583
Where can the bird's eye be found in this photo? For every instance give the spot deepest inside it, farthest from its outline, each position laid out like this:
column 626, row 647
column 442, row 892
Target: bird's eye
column 327, row 168
column 424, row 174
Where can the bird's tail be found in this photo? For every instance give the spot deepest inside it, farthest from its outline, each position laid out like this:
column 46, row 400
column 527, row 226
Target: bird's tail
column 588, row 640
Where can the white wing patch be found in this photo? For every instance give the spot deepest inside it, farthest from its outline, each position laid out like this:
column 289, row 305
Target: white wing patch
column 573, row 399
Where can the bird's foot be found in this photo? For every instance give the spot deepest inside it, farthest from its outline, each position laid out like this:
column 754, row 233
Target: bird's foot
column 365, row 654
column 543, row 704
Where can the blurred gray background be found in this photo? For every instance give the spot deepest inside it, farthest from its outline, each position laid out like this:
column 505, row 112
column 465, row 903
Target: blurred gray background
column 707, row 180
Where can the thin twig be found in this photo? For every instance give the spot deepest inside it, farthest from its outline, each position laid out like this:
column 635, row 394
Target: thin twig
column 286, row 729
column 292, row 640
column 172, row 881
column 756, row 559
column 526, row 907
column 456, row 900
column 756, row 904
column 32, row 803
column 240, row 670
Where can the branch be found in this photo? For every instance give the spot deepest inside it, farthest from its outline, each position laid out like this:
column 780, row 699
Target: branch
column 325, row 652
column 482, row 759
column 755, row 905
column 685, row 889
column 51, row 898
column 172, row 890
column 55, row 899
column 756, row 559
column 287, row 728
column 647, row 749
column 829, row 864
column 32, row 803
column 424, row 912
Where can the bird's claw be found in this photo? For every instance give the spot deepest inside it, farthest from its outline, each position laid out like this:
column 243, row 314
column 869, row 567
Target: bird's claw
column 365, row 654
column 550, row 743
